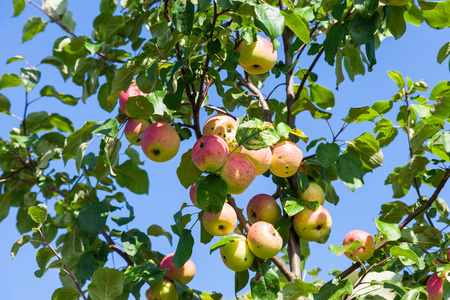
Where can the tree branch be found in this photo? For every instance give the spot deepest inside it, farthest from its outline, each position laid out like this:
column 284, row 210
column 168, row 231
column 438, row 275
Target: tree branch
column 113, row 246
column 249, row 85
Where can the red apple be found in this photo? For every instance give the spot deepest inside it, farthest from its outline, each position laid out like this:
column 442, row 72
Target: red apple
column 209, row 153
column 135, row 127
column 260, row 158
column 435, row 287
column 237, row 256
column 183, row 274
column 162, row 290
column 133, row 91
column 193, row 195
column 367, row 248
column 264, row 240
column 314, row 193
column 224, row 126
column 286, row 159
column 221, row 223
column 258, row 57
column 238, row 172
column 312, row 225
column 160, row 142
column 263, row 207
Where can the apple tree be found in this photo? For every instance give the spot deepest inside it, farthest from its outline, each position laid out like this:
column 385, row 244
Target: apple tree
column 159, row 68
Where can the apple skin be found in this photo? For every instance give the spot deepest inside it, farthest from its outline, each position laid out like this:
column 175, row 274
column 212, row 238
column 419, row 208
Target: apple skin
column 224, row 126
column 183, row 274
column 258, row 57
column 263, row 207
column 162, row 290
column 260, row 158
column 238, row 172
column 133, row 128
column 209, row 153
column 160, row 142
column 133, row 91
column 313, row 193
column 367, row 248
column 312, row 225
column 435, row 287
column 264, row 240
column 286, row 159
column 397, row 2
column 193, row 195
column 237, row 255
column 221, row 223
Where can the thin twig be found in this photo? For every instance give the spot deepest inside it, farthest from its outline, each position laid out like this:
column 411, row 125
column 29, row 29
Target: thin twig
column 249, row 85
column 114, row 247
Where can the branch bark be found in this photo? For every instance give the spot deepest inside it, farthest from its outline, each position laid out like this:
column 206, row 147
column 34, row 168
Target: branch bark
column 249, row 85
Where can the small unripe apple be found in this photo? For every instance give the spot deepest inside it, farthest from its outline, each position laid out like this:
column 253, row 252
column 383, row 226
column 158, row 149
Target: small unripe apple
column 237, row 256
column 264, row 240
column 224, row 126
column 260, row 158
column 135, row 127
column 263, row 207
column 193, row 195
column 286, row 159
column 160, row 142
column 258, row 57
column 162, row 290
column 312, row 225
column 183, row 274
column 435, row 287
column 314, row 193
column 238, row 172
column 367, row 248
column 209, row 153
column 221, row 223
column 133, row 91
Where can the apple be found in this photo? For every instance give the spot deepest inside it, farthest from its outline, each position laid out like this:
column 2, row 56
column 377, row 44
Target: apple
column 133, row 91
column 160, row 142
column 238, row 172
column 258, row 57
column 193, row 195
column 286, row 159
column 263, row 207
column 183, row 274
column 162, row 290
column 312, row 225
column 135, row 127
column 221, row 223
column 237, row 256
column 209, row 153
column 260, row 158
column 397, row 2
column 264, row 240
column 314, row 193
column 224, row 126
column 435, row 287
column 367, row 248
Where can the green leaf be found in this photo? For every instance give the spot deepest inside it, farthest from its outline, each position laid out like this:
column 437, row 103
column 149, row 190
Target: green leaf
column 19, row 6
column 129, row 175
column 10, row 80
column 335, row 34
column 270, row 20
column 187, row 172
column 43, row 256
column 398, row 251
column 92, row 217
column 224, row 241
column 362, row 29
column 297, row 23
column 396, row 21
column 106, row 284
column 334, row 292
column 240, row 280
column 75, row 139
column 5, row 105
column 436, row 13
column 386, row 132
column 184, row 249
column 367, row 149
column 398, row 78
column 139, row 107
column 339, row 250
column 49, row 91
column 38, row 213
column 133, row 241
column 15, row 58
column 361, row 114
column 390, row 230
column 33, row 26
column 212, row 193
column 298, row 288
column 147, row 270
column 156, row 230
column 65, row 293
column 443, row 53
column 323, row 97
column 327, row 153
column 266, row 284
column 120, row 221
column 350, row 171
column 293, row 206
column 442, row 89
column 365, row 8
column 93, row 48
column 19, row 243
column 108, row 128
column 255, row 135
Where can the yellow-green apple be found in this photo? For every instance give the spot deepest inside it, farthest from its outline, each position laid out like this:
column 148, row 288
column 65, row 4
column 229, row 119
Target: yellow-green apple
column 314, row 193
column 224, row 126
column 134, row 128
column 312, row 225
column 286, row 159
column 263, row 207
column 193, row 195
column 183, row 274
column 160, row 142
column 397, row 2
column 367, row 248
column 162, row 290
column 435, row 287
column 209, row 153
column 221, row 223
column 238, row 172
column 133, row 91
column 260, row 158
column 258, row 57
column 236, row 255
column 264, row 240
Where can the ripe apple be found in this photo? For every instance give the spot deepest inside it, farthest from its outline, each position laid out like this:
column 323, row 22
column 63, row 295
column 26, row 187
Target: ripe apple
column 312, row 225
column 435, row 287
column 263, row 207
column 313, row 193
column 193, row 195
column 286, row 159
column 133, row 91
column 221, row 223
column 209, row 153
column 237, row 256
column 160, row 142
column 183, row 274
column 224, row 126
column 260, row 158
column 367, row 248
column 264, row 240
column 135, row 127
column 258, row 57
column 162, row 290
column 238, row 172
column 397, row 2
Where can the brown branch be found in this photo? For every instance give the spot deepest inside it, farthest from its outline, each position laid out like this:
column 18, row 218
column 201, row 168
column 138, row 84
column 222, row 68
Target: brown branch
column 114, row 247
column 249, row 85
column 220, row 110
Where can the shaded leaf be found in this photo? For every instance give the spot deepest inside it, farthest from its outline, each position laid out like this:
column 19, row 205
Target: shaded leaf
column 106, row 284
